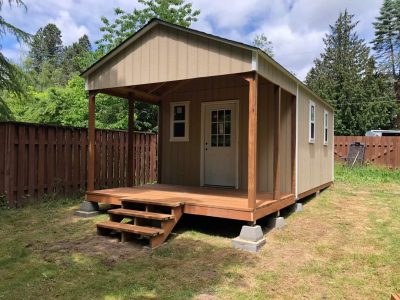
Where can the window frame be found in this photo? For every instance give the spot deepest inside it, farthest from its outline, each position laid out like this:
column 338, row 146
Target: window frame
column 184, row 138
column 326, row 127
column 311, row 139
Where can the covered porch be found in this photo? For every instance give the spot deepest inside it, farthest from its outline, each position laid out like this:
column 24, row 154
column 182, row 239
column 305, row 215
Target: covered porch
column 253, row 198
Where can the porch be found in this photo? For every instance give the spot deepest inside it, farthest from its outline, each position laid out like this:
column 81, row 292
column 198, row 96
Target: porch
column 204, row 201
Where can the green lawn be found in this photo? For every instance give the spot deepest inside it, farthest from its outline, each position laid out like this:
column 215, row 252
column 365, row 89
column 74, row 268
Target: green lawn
column 346, row 244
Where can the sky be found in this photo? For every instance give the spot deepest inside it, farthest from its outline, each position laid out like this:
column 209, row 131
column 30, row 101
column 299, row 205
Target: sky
column 295, row 27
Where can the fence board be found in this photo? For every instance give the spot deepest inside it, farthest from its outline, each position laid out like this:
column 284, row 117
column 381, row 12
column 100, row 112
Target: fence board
column 39, row 159
column 384, row 151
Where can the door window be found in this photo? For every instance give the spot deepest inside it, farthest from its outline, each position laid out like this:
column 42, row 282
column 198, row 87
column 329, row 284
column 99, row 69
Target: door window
column 221, row 128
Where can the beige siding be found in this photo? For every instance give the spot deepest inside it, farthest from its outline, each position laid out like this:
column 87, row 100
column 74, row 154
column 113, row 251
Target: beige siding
column 276, row 76
column 181, row 160
column 167, row 54
column 315, row 161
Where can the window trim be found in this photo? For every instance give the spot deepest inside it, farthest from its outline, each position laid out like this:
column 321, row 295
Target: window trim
column 185, row 138
column 312, row 104
column 326, row 127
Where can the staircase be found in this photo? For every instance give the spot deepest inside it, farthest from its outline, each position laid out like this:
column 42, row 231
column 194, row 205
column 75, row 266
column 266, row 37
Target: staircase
column 149, row 219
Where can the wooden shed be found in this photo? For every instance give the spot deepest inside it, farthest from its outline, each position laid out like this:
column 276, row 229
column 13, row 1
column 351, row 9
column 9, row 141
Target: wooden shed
column 240, row 137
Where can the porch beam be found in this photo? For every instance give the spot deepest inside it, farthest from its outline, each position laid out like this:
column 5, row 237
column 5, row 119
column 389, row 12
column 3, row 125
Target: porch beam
column 277, row 130
column 91, row 133
column 178, row 85
column 252, row 142
column 143, row 95
column 131, row 133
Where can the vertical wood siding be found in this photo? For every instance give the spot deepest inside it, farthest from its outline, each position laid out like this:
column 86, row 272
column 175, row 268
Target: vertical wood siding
column 167, row 54
column 181, row 160
column 315, row 161
column 38, row 159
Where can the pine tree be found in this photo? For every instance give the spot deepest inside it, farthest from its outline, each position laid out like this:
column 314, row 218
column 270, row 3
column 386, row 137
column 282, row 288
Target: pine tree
column 345, row 75
column 387, row 37
column 46, row 46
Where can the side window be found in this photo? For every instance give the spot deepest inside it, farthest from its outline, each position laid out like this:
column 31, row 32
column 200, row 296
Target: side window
column 311, row 131
column 326, row 118
column 179, row 121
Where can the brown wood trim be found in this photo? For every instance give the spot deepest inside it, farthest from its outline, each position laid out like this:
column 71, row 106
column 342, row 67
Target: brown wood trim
column 218, row 212
column 103, row 199
column 274, row 207
column 91, row 131
column 159, row 143
column 131, row 126
column 314, row 190
column 277, row 131
column 293, row 144
column 252, row 143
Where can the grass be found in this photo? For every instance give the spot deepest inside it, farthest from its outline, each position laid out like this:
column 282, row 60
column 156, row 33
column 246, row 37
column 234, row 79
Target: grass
column 346, row 244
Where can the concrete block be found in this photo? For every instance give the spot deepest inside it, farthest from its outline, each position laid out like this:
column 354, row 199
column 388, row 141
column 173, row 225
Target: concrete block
column 251, row 233
column 248, row 245
column 317, row 193
column 298, row 207
column 251, row 239
column 88, row 209
column 277, row 223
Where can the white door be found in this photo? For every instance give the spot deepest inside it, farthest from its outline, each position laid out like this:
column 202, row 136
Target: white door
column 220, row 144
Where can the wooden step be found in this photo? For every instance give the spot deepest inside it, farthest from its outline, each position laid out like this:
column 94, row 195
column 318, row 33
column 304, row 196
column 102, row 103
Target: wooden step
column 171, row 203
column 123, row 227
column 140, row 214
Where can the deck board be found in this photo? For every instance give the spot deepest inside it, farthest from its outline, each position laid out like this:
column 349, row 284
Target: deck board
column 198, row 200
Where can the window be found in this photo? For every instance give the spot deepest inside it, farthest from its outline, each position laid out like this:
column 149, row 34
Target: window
column 179, row 121
column 311, row 132
column 326, row 115
column 221, row 128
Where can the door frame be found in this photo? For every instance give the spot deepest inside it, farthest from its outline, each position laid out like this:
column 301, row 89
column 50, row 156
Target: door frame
column 202, row 154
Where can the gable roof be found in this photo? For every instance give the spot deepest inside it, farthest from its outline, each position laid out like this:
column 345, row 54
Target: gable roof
column 156, row 22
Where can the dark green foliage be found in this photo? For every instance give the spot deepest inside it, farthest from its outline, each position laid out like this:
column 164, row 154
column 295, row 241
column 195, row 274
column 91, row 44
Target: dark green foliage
column 345, row 75
column 387, row 37
column 9, row 73
column 46, row 47
column 127, row 23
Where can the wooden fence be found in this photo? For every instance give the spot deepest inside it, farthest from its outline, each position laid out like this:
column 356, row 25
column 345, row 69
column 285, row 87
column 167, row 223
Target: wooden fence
column 41, row 159
column 383, row 151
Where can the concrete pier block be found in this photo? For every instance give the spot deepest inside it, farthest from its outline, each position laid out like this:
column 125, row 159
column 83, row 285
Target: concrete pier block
column 298, row 207
column 251, row 239
column 277, row 223
column 88, row 209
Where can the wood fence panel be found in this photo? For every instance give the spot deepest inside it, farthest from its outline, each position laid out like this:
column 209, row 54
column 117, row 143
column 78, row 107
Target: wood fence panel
column 40, row 159
column 384, row 151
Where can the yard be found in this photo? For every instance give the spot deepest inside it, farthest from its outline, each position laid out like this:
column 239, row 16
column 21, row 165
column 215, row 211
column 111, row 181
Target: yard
column 346, row 244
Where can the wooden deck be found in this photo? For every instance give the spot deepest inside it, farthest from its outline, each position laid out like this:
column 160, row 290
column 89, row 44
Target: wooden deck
column 206, row 201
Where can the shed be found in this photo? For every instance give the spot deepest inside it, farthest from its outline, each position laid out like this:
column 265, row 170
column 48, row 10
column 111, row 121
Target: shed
column 240, row 137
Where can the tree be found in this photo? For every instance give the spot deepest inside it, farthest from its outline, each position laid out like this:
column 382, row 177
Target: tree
column 387, row 37
column 345, row 75
column 46, row 46
column 262, row 42
column 9, row 73
column 174, row 11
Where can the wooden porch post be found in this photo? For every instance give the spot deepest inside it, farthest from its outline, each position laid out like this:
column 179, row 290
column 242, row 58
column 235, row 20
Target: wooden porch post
column 91, row 129
column 159, row 143
column 277, row 130
column 252, row 142
column 131, row 133
column 293, row 141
